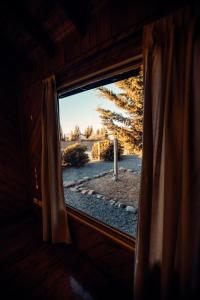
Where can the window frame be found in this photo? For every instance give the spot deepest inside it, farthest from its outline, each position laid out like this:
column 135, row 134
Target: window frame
column 76, row 86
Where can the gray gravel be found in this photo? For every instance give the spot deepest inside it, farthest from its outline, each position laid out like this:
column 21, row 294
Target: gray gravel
column 91, row 169
column 102, row 210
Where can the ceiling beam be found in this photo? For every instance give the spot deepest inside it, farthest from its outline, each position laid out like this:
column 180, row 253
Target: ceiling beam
column 77, row 11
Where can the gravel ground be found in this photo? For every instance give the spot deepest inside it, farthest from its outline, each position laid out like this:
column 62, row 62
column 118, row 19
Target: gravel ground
column 117, row 217
column 125, row 190
column 93, row 168
column 102, row 210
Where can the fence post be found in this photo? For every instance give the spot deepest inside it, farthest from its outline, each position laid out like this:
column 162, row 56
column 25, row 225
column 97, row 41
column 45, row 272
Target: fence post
column 115, row 159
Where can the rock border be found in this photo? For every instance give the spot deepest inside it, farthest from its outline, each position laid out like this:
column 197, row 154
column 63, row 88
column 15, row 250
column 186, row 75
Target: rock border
column 77, row 187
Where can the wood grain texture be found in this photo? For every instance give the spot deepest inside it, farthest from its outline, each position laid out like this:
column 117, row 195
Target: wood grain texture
column 31, row 269
column 73, row 69
column 30, row 114
column 108, row 256
column 13, row 191
column 83, row 59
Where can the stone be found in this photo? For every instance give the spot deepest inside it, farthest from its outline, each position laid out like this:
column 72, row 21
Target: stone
column 84, row 192
column 81, row 188
column 96, row 176
column 112, row 202
column 131, row 209
column 80, row 181
column 99, row 196
column 91, row 192
column 122, row 169
column 68, row 184
column 74, row 189
column 121, row 205
column 104, row 173
column 129, row 170
column 86, row 178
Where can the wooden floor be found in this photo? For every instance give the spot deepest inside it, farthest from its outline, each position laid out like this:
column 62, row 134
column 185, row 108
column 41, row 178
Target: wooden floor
column 31, row 269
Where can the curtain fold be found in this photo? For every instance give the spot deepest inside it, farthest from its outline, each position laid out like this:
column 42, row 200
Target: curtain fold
column 168, row 240
column 55, row 227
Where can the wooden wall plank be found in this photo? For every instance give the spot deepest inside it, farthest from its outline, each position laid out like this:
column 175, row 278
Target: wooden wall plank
column 13, row 192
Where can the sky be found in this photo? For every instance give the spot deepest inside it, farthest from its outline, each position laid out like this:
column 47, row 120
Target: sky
column 80, row 109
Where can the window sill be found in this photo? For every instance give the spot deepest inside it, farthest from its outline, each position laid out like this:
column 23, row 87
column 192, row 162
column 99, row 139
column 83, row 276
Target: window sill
column 120, row 238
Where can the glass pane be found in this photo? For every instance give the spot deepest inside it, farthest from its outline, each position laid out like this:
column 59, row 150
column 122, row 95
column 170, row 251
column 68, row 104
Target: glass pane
column 101, row 144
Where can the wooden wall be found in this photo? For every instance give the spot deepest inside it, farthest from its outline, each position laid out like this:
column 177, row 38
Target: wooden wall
column 106, row 255
column 112, row 24
column 114, row 34
column 30, row 110
column 13, row 186
column 108, row 42
column 103, row 45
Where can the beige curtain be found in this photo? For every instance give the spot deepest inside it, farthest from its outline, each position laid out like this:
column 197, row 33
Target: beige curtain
column 167, row 259
column 55, row 226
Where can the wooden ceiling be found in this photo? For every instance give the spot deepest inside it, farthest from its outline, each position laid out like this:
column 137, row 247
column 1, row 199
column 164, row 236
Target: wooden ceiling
column 30, row 28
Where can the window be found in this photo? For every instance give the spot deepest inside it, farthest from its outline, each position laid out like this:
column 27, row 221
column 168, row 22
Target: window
column 101, row 144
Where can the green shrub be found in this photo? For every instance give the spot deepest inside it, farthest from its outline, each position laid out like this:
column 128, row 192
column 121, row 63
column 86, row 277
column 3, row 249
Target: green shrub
column 106, row 150
column 75, row 156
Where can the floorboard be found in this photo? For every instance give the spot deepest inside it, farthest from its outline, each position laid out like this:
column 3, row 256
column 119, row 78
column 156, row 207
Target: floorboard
column 31, row 269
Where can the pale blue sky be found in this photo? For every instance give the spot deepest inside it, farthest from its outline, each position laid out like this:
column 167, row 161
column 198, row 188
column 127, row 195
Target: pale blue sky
column 80, row 109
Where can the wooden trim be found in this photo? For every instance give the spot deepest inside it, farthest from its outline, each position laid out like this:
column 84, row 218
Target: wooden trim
column 109, row 72
column 104, row 62
column 120, row 238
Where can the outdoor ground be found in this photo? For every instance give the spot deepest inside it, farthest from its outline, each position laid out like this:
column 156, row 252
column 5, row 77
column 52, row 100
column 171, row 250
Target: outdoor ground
column 93, row 168
column 125, row 189
column 92, row 190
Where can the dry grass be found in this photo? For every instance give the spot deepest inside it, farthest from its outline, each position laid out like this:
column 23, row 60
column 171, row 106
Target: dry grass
column 126, row 189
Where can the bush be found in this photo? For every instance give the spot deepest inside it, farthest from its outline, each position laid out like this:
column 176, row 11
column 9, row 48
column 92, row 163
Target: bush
column 106, row 150
column 75, row 156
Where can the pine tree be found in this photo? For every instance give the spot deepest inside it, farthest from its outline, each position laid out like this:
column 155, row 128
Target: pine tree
column 75, row 134
column 88, row 131
column 127, row 126
column 104, row 133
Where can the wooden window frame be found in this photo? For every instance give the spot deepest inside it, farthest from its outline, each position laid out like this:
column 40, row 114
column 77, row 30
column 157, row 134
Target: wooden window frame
column 70, row 87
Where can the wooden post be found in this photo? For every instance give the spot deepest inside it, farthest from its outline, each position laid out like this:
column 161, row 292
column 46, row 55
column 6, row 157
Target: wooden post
column 115, row 159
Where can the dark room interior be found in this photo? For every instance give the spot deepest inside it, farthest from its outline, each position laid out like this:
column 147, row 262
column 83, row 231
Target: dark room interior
column 54, row 48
